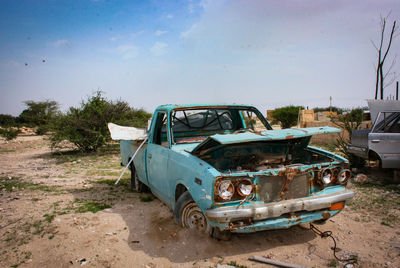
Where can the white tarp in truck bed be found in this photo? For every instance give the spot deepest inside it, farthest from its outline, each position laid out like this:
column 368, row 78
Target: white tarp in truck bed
column 126, row 133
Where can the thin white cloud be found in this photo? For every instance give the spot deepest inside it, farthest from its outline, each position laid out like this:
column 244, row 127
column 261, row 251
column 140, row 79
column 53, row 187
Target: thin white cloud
column 115, row 38
column 160, row 32
column 169, row 16
column 128, row 51
column 60, row 43
column 187, row 33
column 159, row 49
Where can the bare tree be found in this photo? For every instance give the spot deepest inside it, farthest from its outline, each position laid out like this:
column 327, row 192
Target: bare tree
column 380, row 73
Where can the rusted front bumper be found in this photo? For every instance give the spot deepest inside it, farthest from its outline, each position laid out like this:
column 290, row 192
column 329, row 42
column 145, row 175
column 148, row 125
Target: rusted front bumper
column 268, row 213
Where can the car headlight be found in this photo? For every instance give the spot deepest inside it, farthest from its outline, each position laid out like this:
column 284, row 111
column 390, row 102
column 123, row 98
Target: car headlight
column 343, row 176
column 225, row 190
column 244, row 188
column 326, row 176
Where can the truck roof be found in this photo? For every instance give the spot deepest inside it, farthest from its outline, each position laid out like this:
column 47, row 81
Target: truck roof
column 169, row 107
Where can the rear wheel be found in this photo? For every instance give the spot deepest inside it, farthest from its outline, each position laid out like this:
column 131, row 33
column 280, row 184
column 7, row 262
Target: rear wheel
column 136, row 185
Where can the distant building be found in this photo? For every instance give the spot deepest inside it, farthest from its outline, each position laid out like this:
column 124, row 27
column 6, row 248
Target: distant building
column 325, row 116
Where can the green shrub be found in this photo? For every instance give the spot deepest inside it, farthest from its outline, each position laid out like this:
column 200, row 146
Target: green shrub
column 327, row 109
column 39, row 114
column 86, row 126
column 7, row 120
column 42, row 129
column 287, row 115
column 350, row 121
column 9, row 133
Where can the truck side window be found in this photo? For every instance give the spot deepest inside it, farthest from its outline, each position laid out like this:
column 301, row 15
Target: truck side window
column 395, row 125
column 251, row 120
column 389, row 122
column 160, row 130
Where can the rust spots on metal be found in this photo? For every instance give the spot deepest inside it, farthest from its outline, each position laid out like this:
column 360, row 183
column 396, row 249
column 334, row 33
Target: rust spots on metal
column 290, row 137
column 314, row 183
column 257, row 189
column 218, row 204
column 290, row 173
column 294, row 218
column 326, row 215
column 240, row 223
column 305, row 131
column 282, row 172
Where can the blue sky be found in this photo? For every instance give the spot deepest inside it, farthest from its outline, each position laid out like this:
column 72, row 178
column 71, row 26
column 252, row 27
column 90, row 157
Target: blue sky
column 264, row 53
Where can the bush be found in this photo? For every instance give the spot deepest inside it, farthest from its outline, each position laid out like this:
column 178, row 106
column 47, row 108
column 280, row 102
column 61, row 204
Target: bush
column 39, row 114
column 350, row 121
column 7, row 120
column 327, row 109
column 86, row 126
column 9, row 133
column 287, row 115
column 42, row 129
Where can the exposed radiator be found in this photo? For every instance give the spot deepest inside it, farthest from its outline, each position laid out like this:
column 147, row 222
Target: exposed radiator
column 271, row 187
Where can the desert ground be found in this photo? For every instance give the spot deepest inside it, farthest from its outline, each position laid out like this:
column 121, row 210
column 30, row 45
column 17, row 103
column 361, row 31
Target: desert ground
column 63, row 210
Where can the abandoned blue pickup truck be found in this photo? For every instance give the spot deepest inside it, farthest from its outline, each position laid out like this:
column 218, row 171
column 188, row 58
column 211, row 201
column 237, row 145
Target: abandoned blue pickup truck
column 223, row 169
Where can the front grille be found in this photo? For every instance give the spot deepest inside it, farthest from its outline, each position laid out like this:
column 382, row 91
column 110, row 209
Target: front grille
column 271, row 187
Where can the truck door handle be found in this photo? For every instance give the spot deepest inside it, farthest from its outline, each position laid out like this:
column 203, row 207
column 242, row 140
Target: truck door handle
column 150, row 156
column 375, row 141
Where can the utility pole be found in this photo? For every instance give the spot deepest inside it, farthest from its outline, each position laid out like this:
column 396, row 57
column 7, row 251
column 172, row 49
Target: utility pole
column 330, row 104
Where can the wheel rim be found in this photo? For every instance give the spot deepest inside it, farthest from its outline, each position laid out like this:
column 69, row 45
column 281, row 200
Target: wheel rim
column 193, row 218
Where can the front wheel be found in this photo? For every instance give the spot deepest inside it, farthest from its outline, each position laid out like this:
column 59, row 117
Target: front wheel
column 188, row 214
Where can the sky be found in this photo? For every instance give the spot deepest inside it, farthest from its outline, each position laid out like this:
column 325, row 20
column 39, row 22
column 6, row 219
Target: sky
column 263, row 53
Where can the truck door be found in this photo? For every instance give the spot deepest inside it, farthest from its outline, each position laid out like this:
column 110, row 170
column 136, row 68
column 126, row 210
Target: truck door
column 157, row 158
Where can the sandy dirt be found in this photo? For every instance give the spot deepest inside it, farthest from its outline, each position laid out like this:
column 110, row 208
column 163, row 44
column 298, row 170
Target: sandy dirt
column 47, row 219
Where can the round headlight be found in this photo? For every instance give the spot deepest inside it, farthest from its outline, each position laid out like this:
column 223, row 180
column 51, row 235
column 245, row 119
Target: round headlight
column 244, row 188
column 226, row 190
column 326, row 176
column 343, row 176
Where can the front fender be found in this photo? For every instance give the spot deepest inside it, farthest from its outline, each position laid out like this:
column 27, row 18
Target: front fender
column 196, row 176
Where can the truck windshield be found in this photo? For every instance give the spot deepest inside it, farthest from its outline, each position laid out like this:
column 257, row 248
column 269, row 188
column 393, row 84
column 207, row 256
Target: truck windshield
column 194, row 125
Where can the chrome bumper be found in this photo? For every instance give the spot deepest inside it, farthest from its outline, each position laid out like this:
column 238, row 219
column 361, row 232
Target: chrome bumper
column 276, row 209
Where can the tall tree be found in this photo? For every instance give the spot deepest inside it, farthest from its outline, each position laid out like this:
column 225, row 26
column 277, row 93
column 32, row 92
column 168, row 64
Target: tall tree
column 382, row 54
column 38, row 113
